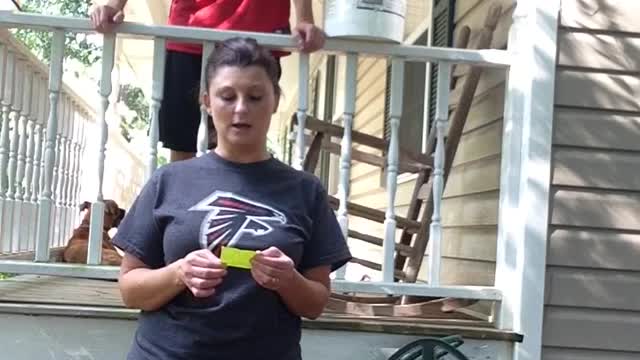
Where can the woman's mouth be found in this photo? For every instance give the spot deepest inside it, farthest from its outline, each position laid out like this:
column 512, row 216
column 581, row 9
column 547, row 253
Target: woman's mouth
column 241, row 126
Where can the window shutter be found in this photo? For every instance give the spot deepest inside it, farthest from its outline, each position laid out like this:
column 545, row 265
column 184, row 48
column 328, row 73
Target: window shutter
column 387, row 103
column 442, row 36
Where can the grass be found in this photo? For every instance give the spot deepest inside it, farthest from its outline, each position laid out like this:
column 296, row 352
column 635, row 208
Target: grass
column 5, row 276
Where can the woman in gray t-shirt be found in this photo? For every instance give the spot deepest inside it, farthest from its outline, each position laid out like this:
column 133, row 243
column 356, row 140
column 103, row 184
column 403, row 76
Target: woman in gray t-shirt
column 237, row 197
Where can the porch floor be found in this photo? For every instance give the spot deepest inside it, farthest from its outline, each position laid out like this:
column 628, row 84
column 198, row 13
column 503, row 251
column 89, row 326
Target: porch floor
column 77, row 297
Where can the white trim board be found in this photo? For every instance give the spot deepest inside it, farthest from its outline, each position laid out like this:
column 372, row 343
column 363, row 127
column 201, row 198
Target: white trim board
column 525, row 173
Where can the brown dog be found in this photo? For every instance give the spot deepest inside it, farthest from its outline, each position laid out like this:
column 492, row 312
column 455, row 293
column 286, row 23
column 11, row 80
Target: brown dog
column 77, row 247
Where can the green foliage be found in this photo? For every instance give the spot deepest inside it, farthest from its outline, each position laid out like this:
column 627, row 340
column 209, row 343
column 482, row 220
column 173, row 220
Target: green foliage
column 135, row 100
column 5, row 276
column 77, row 46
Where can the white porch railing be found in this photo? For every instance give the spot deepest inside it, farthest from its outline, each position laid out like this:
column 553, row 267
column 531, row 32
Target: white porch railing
column 398, row 54
column 38, row 190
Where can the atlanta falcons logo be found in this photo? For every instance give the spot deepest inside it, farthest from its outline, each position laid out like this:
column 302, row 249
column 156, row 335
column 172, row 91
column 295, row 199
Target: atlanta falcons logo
column 230, row 216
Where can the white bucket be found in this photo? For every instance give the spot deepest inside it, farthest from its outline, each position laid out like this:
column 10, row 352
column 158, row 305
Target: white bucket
column 381, row 20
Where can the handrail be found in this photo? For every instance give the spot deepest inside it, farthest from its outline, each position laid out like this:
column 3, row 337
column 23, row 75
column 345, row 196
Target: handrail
column 490, row 58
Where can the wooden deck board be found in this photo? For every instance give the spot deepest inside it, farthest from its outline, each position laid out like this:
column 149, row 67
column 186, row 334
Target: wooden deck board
column 40, row 294
column 41, row 289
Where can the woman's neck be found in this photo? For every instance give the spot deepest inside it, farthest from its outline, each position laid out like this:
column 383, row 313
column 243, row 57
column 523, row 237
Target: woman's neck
column 242, row 155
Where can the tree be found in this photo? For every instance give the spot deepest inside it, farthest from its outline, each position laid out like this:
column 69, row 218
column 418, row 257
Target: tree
column 77, row 46
column 134, row 98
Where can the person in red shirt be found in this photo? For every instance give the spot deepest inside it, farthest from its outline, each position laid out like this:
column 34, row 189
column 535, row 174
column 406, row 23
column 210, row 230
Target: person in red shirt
column 179, row 116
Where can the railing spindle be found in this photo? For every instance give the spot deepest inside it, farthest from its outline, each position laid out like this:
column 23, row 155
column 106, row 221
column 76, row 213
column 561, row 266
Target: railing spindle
column 10, row 203
column 68, row 172
column 346, row 144
column 389, row 244
column 19, row 229
column 27, row 205
column 442, row 117
column 55, row 211
column 79, row 150
column 303, row 105
column 203, row 131
column 6, row 90
column 94, row 254
column 44, row 211
column 157, row 88
column 63, row 155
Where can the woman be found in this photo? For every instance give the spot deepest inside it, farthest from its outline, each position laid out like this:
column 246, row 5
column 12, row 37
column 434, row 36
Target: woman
column 237, row 195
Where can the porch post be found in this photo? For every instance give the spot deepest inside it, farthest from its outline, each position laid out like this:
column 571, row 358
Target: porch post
column 525, row 173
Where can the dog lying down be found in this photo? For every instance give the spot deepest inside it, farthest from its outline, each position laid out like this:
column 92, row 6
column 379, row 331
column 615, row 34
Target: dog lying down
column 77, row 247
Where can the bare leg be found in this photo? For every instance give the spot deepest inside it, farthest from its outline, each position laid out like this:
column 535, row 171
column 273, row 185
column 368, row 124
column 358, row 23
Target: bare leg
column 180, row 155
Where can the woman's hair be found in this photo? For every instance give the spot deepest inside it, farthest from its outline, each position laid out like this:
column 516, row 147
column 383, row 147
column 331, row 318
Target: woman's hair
column 242, row 52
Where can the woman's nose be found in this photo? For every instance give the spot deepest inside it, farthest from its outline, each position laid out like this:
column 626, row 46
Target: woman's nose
column 241, row 105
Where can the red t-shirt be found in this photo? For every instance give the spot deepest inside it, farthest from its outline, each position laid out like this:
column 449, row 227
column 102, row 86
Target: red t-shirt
column 270, row 16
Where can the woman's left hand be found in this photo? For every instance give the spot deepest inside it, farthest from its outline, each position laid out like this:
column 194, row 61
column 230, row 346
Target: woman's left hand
column 272, row 269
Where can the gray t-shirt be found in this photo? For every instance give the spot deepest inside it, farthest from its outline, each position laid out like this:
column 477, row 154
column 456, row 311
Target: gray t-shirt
column 209, row 200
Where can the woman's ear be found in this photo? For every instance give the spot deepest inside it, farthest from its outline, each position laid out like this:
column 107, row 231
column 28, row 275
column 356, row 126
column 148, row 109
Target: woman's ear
column 206, row 101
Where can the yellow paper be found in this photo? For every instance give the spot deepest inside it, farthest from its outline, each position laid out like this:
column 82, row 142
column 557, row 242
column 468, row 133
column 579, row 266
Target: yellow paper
column 236, row 257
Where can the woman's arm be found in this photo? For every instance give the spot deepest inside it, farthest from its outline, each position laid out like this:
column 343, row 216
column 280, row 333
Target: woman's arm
column 304, row 294
column 150, row 289
column 307, row 294
column 304, row 11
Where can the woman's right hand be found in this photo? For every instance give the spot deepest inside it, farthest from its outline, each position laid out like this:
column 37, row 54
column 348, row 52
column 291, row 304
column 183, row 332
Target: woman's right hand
column 105, row 18
column 201, row 271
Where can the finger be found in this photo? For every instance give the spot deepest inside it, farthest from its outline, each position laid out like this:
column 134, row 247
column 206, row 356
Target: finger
column 271, row 252
column 317, row 39
column 299, row 37
column 206, row 264
column 202, row 293
column 206, row 254
column 271, row 271
column 281, row 263
column 104, row 18
column 205, row 273
column 204, row 284
column 119, row 17
column 209, row 259
column 94, row 19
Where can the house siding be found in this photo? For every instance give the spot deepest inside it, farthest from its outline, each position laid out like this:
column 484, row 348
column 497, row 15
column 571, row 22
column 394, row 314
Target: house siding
column 593, row 273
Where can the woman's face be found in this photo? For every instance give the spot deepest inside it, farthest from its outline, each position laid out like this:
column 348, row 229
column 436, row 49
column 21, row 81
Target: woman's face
column 241, row 101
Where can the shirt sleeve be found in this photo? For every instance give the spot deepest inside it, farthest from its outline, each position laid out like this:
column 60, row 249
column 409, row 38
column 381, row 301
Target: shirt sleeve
column 326, row 245
column 139, row 234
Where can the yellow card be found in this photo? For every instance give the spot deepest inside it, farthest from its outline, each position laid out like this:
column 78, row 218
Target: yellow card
column 236, row 257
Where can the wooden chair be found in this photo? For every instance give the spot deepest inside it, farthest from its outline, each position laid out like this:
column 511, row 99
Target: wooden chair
column 412, row 243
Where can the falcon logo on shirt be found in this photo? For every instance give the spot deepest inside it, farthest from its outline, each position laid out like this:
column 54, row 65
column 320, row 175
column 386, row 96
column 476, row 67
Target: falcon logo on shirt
column 230, row 216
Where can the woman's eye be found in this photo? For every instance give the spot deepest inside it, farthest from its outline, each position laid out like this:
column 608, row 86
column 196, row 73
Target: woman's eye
column 255, row 98
column 227, row 97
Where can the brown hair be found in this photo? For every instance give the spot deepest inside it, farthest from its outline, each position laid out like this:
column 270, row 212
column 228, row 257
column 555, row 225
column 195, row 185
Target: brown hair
column 242, row 52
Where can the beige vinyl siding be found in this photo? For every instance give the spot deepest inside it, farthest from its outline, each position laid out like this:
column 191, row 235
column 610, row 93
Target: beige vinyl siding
column 593, row 273
column 470, row 209
column 471, row 196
